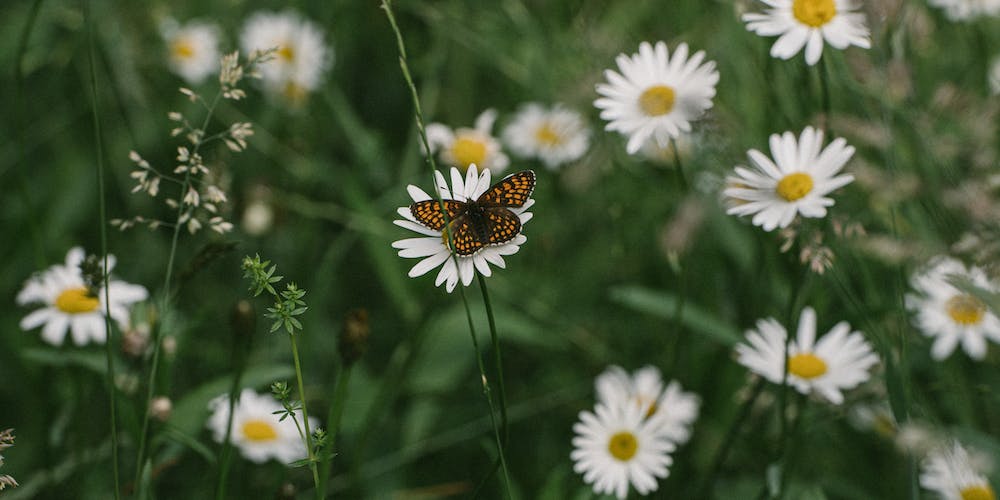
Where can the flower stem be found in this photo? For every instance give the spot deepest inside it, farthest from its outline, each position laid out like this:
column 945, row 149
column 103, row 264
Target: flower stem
column 495, row 339
column 730, row 439
column 679, row 166
column 165, row 304
column 108, row 346
column 305, row 415
column 798, row 289
column 333, row 425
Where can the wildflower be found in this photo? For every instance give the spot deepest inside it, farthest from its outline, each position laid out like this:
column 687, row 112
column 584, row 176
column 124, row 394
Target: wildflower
column 795, row 183
column 193, row 48
column 555, row 135
column 469, row 146
column 617, row 445
column 432, row 247
column 951, row 315
column 951, row 472
column 68, row 303
column 674, row 409
column 256, row 430
column 656, row 95
column 967, row 10
column 807, row 23
column 840, row 360
column 6, row 441
column 301, row 56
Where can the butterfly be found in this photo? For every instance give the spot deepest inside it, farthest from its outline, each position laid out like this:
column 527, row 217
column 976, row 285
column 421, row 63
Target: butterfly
column 486, row 221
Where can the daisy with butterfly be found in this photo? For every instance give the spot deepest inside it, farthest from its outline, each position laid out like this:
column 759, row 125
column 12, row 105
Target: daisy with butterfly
column 480, row 223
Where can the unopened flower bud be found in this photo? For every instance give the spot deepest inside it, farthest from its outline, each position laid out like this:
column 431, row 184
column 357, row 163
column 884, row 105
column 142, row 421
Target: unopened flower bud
column 160, row 408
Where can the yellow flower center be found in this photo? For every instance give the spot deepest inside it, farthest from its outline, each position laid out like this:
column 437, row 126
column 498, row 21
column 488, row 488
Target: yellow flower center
column 814, row 13
column 623, row 446
column 467, row 151
column 965, row 309
column 795, row 186
column 259, row 430
column 76, row 301
column 286, row 53
column 295, row 93
column 547, row 136
column 182, row 49
column 657, row 100
column 979, row 492
column 806, row 365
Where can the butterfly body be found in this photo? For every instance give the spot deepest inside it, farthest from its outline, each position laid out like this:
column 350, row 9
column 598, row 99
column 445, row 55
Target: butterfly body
column 487, row 220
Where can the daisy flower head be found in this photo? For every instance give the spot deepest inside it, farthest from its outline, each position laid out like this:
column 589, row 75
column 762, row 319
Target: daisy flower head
column 616, row 446
column 953, row 474
column 193, row 49
column 554, row 135
column 67, row 304
column 433, row 246
column 257, row 431
column 671, row 407
column 839, row 361
column 656, row 95
column 463, row 147
column 967, row 10
column 796, row 182
column 807, row 23
column 950, row 315
column 301, row 56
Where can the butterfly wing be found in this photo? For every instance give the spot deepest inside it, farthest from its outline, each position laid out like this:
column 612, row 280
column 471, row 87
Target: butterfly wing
column 512, row 191
column 501, row 225
column 429, row 212
column 465, row 238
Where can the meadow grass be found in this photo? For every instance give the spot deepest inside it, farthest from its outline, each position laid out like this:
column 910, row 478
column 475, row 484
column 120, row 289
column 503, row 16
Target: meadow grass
column 629, row 261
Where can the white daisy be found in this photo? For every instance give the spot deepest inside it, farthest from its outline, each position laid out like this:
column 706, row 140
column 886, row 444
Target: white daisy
column 673, row 408
column 840, row 360
column 469, row 146
column 994, row 76
column 967, row 10
column 555, row 136
column 256, row 430
column 432, row 247
column 795, row 183
column 806, row 23
column 301, row 58
column 951, row 315
column 67, row 304
column 193, row 49
column 617, row 445
column 656, row 95
column 950, row 472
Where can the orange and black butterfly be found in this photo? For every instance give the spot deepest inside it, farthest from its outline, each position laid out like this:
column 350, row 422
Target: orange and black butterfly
column 486, row 221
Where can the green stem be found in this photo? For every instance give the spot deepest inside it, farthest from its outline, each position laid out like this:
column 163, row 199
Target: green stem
column 495, row 339
column 730, row 439
column 824, row 85
column 679, row 166
column 108, row 347
column 305, row 415
column 22, row 179
column 333, row 425
column 488, row 393
column 225, row 455
column 165, row 302
column 798, row 287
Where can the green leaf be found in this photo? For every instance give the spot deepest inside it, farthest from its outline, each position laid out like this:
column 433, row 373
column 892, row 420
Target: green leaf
column 663, row 305
column 190, row 412
column 94, row 361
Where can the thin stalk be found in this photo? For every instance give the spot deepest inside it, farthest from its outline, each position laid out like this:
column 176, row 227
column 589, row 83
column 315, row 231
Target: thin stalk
column 404, row 67
column 225, row 455
column 495, row 339
column 679, row 166
column 333, row 425
column 487, row 392
column 108, row 345
column 824, row 86
column 165, row 301
column 305, row 415
column 730, row 439
column 797, row 290
column 22, row 180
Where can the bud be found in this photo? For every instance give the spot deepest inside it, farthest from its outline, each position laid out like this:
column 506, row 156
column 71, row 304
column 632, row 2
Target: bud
column 287, row 491
column 243, row 320
column 135, row 340
column 169, row 346
column 354, row 338
column 160, row 408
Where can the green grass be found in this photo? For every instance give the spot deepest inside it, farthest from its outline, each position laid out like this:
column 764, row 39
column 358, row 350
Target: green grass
column 591, row 287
